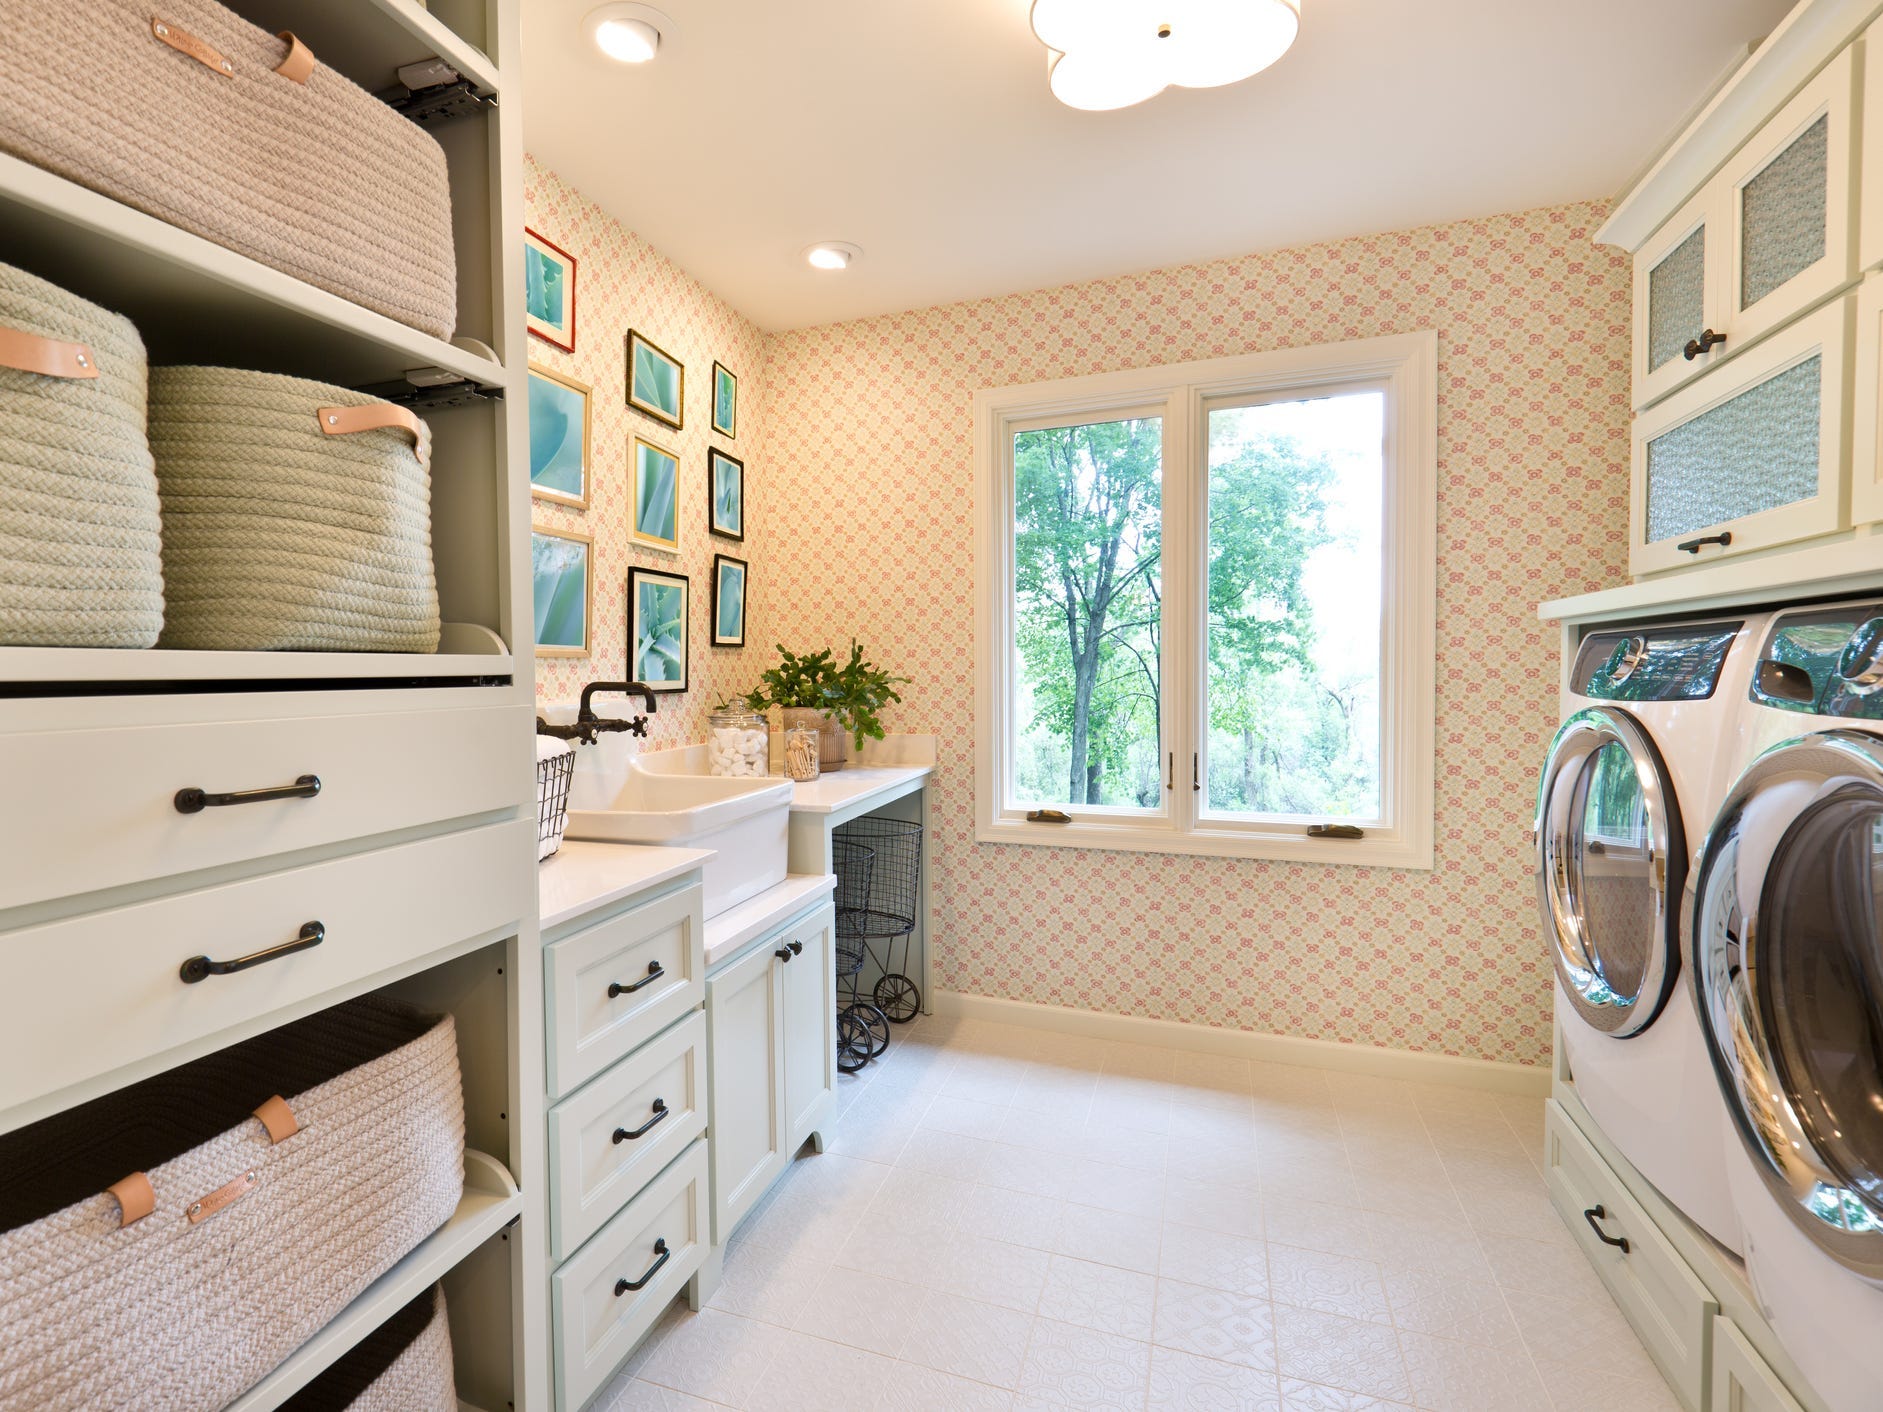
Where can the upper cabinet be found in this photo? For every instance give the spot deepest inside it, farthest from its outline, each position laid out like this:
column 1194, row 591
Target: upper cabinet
column 1769, row 236
column 1870, row 238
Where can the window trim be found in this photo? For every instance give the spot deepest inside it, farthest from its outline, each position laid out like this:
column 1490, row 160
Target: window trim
column 1407, row 366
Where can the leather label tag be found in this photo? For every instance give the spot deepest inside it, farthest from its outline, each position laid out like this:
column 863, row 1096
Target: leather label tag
column 222, row 1197
column 186, row 43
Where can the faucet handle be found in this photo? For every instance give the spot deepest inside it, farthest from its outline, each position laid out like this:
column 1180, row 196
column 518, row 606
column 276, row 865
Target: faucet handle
column 638, row 726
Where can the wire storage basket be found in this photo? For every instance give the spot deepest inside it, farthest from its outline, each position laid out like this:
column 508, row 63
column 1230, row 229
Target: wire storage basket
column 880, row 903
column 862, row 1028
column 555, row 769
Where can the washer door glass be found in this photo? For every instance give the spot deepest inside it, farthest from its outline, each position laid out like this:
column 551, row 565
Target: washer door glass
column 1788, row 956
column 1608, row 837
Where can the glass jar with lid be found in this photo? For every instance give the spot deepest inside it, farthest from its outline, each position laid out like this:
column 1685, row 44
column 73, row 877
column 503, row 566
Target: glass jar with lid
column 802, row 749
column 738, row 742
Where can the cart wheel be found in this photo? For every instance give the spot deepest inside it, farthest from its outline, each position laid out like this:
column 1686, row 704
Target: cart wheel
column 898, row 998
column 875, row 1024
column 853, row 1043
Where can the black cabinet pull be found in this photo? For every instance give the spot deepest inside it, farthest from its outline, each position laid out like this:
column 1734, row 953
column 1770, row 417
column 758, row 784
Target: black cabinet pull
column 1596, row 1213
column 797, row 947
column 1694, row 546
column 654, row 973
column 783, row 953
column 194, row 801
column 1705, row 343
column 660, row 1249
column 199, row 968
column 660, row 1111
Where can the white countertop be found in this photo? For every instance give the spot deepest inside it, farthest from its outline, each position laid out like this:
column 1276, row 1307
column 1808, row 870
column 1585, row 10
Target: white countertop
column 733, row 928
column 852, row 785
column 584, row 876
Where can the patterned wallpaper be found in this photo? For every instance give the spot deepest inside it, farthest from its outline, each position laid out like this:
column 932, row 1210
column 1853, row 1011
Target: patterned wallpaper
column 621, row 282
column 870, row 427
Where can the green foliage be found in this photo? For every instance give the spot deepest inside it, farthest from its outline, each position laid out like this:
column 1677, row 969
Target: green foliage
column 660, row 650
column 854, row 694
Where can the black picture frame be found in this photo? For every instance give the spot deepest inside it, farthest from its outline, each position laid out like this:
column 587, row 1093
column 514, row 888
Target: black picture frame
column 714, row 459
column 745, row 598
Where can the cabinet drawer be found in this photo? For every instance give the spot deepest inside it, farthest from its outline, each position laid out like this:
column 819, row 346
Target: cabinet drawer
column 620, row 982
column 104, row 809
column 596, row 1165
column 94, row 993
column 598, row 1320
column 1667, row 1305
column 1754, row 450
column 1742, row 1381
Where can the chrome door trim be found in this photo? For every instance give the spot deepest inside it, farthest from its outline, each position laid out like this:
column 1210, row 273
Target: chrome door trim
column 1559, row 870
column 1727, row 903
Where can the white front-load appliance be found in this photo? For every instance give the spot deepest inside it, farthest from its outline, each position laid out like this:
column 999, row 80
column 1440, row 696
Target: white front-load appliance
column 1786, row 914
column 1630, row 780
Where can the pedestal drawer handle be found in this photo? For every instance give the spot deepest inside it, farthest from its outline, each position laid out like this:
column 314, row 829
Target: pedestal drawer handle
column 654, row 973
column 1596, row 1213
column 199, row 968
column 194, row 801
column 660, row 1111
column 660, row 1249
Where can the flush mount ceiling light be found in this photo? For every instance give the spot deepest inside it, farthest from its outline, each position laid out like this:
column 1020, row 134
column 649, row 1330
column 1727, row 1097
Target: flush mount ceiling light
column 628, row 34
column 832, row 254
column 1113, row 53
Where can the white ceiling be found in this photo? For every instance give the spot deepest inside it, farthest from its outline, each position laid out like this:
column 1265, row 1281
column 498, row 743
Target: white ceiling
column 923, row 131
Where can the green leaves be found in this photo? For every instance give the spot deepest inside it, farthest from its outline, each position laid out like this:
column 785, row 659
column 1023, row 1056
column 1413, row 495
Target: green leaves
column 853, row 693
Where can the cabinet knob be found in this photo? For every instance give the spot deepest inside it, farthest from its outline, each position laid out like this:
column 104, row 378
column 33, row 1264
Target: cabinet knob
column 797, row 947
column 783, row 953
column 1705, row 343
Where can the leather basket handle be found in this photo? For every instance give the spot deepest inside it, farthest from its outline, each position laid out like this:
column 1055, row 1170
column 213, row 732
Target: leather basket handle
column 278, row 1119
column 35, row 353
column 135, row 1198
column 376, row 416
column 299, row 62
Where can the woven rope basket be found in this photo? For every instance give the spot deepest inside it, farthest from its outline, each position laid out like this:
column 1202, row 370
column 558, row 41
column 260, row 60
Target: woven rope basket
column 402, row 1366
column 79, row 563
column 318, row 179
column 281, row 536
column 180, row 1312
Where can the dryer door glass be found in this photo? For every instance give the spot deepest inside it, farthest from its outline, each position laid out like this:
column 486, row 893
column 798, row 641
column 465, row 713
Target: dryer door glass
column 1788, row 959
column 1607, row 837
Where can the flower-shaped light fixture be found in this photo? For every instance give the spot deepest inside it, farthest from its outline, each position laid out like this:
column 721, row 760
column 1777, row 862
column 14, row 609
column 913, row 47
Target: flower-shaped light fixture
column 1113, row 53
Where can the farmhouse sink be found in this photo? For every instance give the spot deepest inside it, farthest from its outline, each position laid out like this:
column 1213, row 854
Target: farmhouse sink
column 658, row 799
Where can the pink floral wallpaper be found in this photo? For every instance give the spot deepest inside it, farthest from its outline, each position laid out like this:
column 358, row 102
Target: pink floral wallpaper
column 621, row 283
column 868, row 428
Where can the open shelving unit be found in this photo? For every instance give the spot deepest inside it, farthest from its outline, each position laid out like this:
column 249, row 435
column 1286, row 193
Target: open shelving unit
column 194, row 301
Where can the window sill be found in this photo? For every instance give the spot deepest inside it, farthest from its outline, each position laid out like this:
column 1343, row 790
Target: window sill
column 1378, row 850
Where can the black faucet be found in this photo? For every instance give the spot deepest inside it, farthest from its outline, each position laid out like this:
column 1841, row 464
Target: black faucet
column 588, row 725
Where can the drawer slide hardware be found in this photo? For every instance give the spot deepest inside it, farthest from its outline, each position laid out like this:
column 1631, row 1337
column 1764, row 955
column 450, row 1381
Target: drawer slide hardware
column 661, row 1110
column 661, row 1250
column 1598, row 1213
column 199, row 968
column 654, row 972
column 194, row 801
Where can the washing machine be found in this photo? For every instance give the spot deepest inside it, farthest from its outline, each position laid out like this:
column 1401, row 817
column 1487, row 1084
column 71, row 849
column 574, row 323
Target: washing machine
column 1786, row 914
column 1631, row 779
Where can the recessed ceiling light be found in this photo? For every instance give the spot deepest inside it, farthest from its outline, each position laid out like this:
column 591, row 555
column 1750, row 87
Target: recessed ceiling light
column 627, row 33
column 832, row 254
column 1122, row 52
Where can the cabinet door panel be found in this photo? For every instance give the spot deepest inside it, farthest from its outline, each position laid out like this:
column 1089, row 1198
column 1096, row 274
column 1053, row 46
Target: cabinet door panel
column 1866, row 401
column 1742, row 1382
column 745, row 1072
column 810, row 1028
column 1677, row 282
column 1870, row 238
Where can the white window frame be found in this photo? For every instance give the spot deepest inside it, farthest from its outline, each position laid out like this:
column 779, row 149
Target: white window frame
column 1405, row 366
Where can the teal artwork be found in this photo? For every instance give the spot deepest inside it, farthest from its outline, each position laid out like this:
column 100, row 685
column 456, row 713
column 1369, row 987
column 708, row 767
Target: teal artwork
column 658, row 628
column 559, row 428
column 656, row 495
column 725, row 401
column 725, row 481
column 656, row 381
column 728, row 601
column 560, row 582
column 549, row 291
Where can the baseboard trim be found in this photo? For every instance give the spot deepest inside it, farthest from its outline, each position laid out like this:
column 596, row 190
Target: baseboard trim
column 1528, row 1079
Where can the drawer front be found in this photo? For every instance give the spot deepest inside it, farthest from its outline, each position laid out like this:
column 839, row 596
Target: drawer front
column 609, row 1138
column 105, row 810
column 1755, row 450
column 113, row 977
column 616, row 985
column 1660, row 1295
column 1742, row 1381
column 596, row 1327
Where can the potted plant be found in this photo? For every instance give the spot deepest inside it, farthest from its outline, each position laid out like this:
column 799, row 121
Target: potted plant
column 835, row 700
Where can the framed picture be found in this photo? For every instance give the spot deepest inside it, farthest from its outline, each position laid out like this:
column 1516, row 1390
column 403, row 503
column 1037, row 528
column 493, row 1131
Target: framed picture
column 658, row 608
column 549, row 291
column 559, row 438
column 728, row 601
column 656, row 496
column 725, row 487
column 725, row 402
column 656, row 381
column 563, row 575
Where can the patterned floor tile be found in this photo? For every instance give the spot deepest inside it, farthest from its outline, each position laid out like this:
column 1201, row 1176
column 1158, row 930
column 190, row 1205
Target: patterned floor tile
column 1213, row 1323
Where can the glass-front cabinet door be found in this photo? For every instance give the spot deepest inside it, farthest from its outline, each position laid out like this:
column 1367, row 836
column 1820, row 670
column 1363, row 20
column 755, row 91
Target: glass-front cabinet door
column 1752, row 456
column 1790, row 199
column 1676, row 300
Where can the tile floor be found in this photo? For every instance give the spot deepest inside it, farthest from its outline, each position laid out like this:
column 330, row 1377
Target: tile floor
column 1017, row 1221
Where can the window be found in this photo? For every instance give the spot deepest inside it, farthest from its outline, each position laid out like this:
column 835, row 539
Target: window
column 1204, row 599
